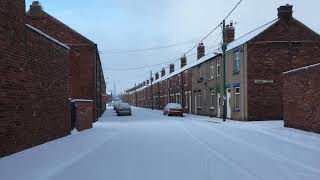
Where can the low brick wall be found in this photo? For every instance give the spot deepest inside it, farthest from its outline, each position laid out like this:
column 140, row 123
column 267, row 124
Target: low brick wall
column 84, row 110
column 301, row 99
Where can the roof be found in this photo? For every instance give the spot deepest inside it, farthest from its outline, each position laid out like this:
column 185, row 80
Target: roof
column 61, row 23
column 250, row 35
column 47, row 36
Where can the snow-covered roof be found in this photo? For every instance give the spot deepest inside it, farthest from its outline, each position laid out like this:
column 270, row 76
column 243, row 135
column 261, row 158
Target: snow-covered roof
column 247, row 37
column 47, row 36
column 192, row 64
column 234, row 44
column 302, row 68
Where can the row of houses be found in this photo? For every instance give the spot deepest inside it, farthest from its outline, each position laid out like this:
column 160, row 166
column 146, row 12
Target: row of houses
column 253, row 73
column 45, row 67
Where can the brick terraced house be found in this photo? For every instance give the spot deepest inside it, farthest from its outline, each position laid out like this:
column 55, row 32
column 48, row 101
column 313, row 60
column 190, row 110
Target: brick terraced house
column 254, row 66
column 87, row 80
column 35, row 83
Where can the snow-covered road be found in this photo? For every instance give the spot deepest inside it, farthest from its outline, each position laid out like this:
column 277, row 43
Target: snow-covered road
column 150, row 146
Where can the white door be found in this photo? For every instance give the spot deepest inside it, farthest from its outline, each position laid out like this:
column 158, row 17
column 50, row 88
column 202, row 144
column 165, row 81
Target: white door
column 218, row 104
column 228, row 103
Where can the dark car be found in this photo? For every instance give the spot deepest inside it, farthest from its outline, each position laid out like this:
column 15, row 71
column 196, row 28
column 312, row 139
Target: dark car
column 173, row 109
column 123, row 109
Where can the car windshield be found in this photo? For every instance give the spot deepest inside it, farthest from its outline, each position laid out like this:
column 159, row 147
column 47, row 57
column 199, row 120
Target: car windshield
column 124, row 105
column 174, row 106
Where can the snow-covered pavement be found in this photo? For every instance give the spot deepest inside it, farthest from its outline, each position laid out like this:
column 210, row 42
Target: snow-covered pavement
column 150, row 146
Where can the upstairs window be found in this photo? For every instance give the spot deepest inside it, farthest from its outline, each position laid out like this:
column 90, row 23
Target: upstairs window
column 211, row 70
column 236, row 62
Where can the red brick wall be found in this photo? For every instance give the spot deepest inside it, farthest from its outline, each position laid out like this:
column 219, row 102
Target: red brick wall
column 82, row 56
column 269, row 55
column 301, row 99
column 84, row 114
column 33, row 84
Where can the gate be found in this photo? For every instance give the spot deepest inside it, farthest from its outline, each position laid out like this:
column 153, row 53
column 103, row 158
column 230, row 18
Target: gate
column 73, row 114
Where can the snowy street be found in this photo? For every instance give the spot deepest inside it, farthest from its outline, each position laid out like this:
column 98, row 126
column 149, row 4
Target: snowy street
column 150, row 146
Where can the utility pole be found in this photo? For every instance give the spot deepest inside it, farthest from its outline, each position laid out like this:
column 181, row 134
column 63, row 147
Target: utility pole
column 224, row 48
column 151, row 79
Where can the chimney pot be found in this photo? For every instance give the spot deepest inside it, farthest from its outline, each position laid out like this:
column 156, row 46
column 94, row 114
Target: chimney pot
column 163, row 72
column 171, row 68
column 229, row 33
column 35, row 8
column 183, row 61
column 200, row 51
column 285, row 12
column 157, row 76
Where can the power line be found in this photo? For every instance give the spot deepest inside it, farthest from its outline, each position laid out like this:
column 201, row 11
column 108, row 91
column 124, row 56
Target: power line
column 150, row 48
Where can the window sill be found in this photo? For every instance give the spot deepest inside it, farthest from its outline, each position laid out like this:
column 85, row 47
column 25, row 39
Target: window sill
column 236, row 110
column 236, row 73
column 199, row 107
column 211, row 108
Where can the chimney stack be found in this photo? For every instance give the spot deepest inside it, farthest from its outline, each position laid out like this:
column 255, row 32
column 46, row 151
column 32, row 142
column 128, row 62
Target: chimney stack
column 35, row 8
column 157, row 76
column 229, row 33
column 183, row 61
column 285, row 12
column 171, row 68
column 200, row 51
column 163, row 72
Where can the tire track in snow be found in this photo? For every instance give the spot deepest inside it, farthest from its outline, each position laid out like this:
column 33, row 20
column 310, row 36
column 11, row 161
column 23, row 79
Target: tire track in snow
column 270, row 154
column 221, row 156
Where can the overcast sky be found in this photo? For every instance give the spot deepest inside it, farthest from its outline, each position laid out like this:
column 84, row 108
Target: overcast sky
column 138, row 24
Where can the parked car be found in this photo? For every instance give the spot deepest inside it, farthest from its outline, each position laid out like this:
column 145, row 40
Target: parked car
column 123, row 109
column 173, row 109
column 115, row 105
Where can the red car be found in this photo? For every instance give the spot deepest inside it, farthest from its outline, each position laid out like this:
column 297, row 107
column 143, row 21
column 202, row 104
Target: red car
column 173, row 109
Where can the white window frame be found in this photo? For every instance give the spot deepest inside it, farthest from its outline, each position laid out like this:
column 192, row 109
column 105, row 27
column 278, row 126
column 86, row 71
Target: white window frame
column 199, row 104
column 212, row 70
column 212, row 100
column 186, row 100
column 235, row 98
column 236, row 59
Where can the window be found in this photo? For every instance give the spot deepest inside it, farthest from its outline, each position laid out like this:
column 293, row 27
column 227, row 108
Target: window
column 199, row 100
column 236, row 62
column 237, row 98
column 212, row 99
column 218, row 67
column 178, row 98
column 186, row 78
column 186, row 101
column 211, row 70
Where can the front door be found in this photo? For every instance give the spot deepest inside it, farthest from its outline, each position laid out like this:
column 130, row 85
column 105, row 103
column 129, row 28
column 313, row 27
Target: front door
column 195, row 103
column 218, row 103
column 228, row 103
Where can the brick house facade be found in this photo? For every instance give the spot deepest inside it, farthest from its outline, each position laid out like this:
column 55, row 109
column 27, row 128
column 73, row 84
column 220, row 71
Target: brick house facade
column 301, row 98
column 86, row 75
column 34, row 83
column 254, row 66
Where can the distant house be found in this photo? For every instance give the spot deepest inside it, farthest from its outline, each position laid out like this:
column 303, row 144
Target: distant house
column 86, row 74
